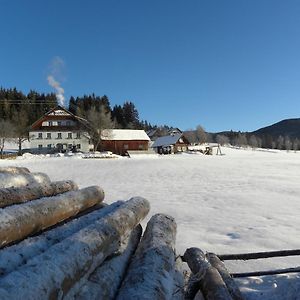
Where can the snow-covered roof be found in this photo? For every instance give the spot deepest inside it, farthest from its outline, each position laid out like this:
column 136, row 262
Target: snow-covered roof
column 166, row 140
column 124, row 135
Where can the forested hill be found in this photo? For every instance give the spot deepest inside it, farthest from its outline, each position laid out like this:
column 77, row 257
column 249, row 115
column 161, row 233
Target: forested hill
column 288, row 127
column 22, row 109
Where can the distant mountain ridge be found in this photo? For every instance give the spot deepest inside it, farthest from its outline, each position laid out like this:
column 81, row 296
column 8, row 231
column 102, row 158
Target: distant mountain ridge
column 288, row 127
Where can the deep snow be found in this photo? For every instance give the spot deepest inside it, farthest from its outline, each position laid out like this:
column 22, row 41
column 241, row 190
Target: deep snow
column 243, row 201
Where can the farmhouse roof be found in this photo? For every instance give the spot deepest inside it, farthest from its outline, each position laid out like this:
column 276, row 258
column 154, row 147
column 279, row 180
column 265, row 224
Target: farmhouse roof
column 124, row 135
column 166, row 140
column 59, row 111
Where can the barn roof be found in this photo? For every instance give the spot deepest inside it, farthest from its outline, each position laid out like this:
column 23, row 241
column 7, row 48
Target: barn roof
column 124, row 135
column 166, row 140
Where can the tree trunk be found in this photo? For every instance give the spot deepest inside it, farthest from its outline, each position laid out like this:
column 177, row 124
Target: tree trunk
column 17, row 255
column 52, row 274
column 210, row 281
column 20, row 221
column 107, row 278
column 22, row 179
column 9, row 196
column 150, row 274
column 231, row 285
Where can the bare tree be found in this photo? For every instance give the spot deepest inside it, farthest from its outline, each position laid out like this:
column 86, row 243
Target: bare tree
column 253, row 141
column 201, row 134
column 295, row 144
column 222, row 139
column 98, row 122
column 259, row 142
column 21, row 128
column 280, row 142
column 190, row 135
column 241, row 140
column 287, row 143
column 273, row 144
column 7, row 132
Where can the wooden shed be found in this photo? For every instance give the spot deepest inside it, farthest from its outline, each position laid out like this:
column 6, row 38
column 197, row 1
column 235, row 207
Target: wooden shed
column 119, row 141
column 171, row 144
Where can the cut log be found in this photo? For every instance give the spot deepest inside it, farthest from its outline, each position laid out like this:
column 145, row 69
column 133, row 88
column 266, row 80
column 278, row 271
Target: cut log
column 10, row 196
column 8, row 180
column 231, row 285
column 180, row 279
column 192, row 286
column 210, row 281
column 14, row 170
column 20, row 221
column 52, row 274
column 17, row 255
column 151, row 272
column 199, row 296
column 106, row 279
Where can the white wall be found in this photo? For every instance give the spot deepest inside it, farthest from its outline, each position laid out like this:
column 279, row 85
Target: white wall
column 35, row 141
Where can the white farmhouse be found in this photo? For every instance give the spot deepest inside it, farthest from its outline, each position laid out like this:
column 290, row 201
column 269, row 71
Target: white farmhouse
column 59, row 130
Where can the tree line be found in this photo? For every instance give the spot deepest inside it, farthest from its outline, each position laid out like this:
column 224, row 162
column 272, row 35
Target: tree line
column 267, row 141
column 18, row 111
column 243, row 139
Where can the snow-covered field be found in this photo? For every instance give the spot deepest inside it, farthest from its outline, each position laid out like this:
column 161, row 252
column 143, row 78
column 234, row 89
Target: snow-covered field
column 243, row 201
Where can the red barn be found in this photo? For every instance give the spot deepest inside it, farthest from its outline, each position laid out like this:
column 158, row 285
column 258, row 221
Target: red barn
column 119, row 141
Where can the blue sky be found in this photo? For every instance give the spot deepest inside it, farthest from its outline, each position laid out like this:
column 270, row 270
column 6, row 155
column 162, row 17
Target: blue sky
column 231, row 64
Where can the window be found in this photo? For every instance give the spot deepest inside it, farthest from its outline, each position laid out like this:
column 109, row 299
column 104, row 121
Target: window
column 141, row 146
column 68, row 123
column 70, row 146
column 126, row 146
column 50, row 123
column 69, row 135
column 59, row 135
column 49, row 146
column 78, row 146
column 40, row 146
column 78, row 135
column 58, row 123
column 48, row 135
column 40, row 135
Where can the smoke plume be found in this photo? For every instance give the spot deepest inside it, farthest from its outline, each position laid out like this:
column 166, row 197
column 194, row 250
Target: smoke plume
column 56, row 70
column 59, row 90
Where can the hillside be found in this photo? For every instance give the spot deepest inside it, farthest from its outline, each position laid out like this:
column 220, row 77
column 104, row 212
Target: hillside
column 288, row 127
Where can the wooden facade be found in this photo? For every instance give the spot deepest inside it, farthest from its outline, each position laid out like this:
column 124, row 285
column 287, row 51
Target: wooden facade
column 119, row 141
column 121, row 147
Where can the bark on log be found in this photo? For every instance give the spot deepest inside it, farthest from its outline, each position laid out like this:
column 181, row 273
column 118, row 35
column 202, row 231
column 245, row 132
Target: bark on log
column 192, row 287
column 180, row 279
column 107, row 278
column 199, row 296
column 20, row 221
column 8, row 180
column 14, row 170
column 17, row 255
column 210, row 281
column 9, row 196
column 231, row 285
column 52, row 274
column 150, row 274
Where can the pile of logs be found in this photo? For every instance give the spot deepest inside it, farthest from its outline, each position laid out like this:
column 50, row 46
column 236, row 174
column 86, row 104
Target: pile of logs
column 61, row 242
